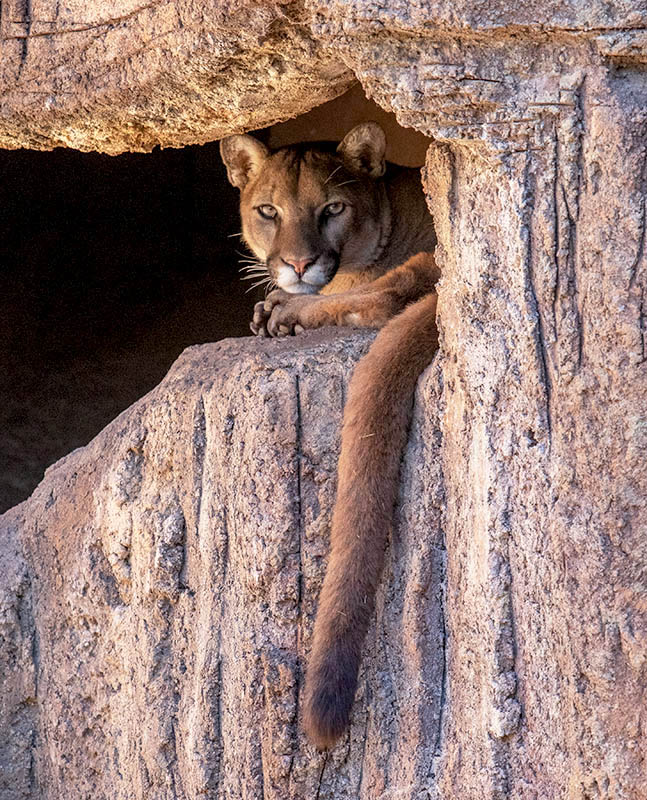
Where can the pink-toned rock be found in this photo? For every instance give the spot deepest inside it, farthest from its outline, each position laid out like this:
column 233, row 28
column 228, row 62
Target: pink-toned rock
column 159, row 590
column 161, row 583
column 128, row 75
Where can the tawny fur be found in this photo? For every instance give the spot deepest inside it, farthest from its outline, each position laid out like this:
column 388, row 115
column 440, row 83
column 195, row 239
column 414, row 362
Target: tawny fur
column 392, row 289
column 374, row 433
column 370, row 305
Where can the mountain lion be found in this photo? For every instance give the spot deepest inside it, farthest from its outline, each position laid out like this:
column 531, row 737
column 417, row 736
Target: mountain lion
column 347, row 239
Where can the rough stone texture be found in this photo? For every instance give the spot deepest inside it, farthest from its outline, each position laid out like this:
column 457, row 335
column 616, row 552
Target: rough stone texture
column 159, row 587
column 537, row 184
column 539, row 198
column 482, row 72
column 129, row 75
column 544, row 446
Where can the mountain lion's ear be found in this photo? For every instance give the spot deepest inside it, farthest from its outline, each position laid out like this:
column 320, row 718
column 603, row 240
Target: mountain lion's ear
column 243, row 156
column 363, row 149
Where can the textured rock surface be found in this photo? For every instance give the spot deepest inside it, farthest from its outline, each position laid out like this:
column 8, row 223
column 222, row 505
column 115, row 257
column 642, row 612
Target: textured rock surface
column 538, row 188
column 159, row 587
column 185, row 72
column 487, row 72
column 538, row 193
column 130, row 75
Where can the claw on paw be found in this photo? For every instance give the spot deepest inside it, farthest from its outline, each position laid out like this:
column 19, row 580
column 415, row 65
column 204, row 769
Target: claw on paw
column 283, row 314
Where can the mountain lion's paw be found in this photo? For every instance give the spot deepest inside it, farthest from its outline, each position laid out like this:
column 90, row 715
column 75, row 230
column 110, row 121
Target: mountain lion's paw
column 288, row 314
column 258, row 325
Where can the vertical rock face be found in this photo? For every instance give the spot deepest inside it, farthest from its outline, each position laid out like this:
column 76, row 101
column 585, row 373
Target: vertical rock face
column 537, row 187
column 546, row 501
column 161, row 583
column 159, row 592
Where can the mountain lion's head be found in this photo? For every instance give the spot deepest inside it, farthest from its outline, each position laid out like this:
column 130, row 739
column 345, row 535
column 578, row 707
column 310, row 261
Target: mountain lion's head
column 310, row 210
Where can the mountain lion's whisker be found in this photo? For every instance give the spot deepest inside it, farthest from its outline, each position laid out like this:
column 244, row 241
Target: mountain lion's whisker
column 259, row 283
column 253, row 277
column 332, row 173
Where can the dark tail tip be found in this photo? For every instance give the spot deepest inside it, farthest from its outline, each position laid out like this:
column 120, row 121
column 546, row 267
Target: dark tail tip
column 326, row 717
column 329, row 696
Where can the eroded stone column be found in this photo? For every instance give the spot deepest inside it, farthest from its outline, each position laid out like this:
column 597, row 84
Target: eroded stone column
column 537, row 186
column 158, row 594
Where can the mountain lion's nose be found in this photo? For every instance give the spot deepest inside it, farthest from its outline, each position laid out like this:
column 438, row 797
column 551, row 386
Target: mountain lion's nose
column 299, row 265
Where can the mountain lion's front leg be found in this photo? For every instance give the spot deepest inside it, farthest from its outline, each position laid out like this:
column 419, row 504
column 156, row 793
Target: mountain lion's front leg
column 369, row 306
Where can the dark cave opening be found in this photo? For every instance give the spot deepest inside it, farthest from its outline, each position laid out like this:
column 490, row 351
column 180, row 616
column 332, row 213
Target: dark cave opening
column 111, row 266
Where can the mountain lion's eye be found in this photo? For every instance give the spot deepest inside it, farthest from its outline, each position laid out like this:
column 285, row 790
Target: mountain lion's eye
column 333, row 209
column 268, row 212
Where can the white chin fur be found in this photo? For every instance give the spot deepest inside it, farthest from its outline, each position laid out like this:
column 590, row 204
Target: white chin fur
column 300, row 288
column 312, row 282
column 314, row 275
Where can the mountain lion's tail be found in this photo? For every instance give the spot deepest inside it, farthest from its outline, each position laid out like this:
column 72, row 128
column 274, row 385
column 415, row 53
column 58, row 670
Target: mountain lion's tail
column 374, row 434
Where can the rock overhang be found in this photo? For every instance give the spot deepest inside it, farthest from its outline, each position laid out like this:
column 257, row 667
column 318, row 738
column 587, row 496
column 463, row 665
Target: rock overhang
column 171, row 74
